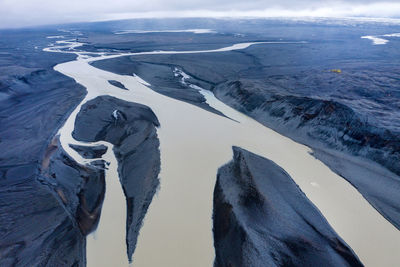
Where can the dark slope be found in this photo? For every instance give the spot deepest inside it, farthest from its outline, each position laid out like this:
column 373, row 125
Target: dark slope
column 131, row 128
column 262, row 218
column 340, row 138
column 48, row 203
column 46, row 217
column 80, row 188
column 117, row 84
column 35, row 228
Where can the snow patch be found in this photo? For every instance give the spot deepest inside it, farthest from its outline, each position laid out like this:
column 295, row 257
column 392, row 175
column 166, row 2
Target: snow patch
column 377, row 40
column 115, row 114
column 195, row 31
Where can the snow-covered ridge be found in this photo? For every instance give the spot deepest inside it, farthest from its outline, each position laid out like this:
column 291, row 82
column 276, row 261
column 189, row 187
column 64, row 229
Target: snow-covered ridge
column 378, row 40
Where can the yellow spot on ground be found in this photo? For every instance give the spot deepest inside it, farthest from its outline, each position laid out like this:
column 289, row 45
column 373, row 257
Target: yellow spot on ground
column 336, row 70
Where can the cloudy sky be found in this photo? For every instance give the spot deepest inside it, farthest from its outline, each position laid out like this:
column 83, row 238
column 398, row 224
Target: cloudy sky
column 17, row 13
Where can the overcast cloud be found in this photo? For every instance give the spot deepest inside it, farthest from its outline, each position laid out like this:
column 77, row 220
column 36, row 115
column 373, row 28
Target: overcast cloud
column 17, row 13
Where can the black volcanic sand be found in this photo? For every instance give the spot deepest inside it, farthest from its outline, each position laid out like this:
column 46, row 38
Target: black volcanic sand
column 48, row 203
column 136, row 147
column 161, row 78
column 45, row 221
column 80, row 188
column 46, row 198
column 35, row 227
column 350, row 120
column 117, row 84
column 39, row 214
column 261, row 217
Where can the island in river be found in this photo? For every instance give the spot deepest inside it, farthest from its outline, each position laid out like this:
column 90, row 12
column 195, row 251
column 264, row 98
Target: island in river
column 151, row 109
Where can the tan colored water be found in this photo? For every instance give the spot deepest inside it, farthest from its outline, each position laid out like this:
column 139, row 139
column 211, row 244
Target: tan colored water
column 194, row 143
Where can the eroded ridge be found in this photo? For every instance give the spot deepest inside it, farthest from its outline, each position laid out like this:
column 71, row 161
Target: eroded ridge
column 261, row 216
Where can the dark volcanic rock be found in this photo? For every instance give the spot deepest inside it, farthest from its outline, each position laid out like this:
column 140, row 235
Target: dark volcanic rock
column 35, row 229
column 80, row 188
column 131, row 128
column 44, row 223
column 160, row 76
column 343, row 140
column 262, row 218
column 332, row 123
column 30, row 119
column 117, row 84
column 90, row 152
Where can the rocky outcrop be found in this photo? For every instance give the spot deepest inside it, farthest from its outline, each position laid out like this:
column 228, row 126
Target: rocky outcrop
column 131, row 128
column 46, row 219
column 262, row 218
column 117, row 84
column 35, row 228
column 90, row 152
column 80, row 189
